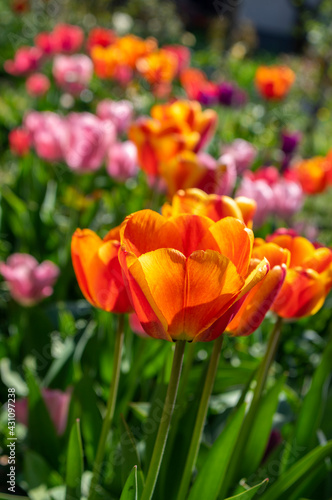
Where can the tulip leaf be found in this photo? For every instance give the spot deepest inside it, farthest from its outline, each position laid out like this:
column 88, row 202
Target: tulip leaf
column 311, row 410
column 130, row 490
column 41, row 431
column 292, row 477
column 129, row 450
column 84, row 406
column 210, row 477
column 74, row 469
column 249, row 494
column 260, row 431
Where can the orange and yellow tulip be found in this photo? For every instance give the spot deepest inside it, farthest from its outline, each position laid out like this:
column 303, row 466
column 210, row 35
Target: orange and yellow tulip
column 274, row 82
column 186, row 275
column 158, row 67
column 308, row 278
column 260, row 299
column 216, row 207
column 314, row 174
column 98, row 271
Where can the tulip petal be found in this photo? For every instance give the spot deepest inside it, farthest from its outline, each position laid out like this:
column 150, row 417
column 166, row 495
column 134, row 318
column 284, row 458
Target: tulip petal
column 230, row 237
column 185, row 232
column 212, row 285
column 138, row 232
column 85, row 244
column 299, row 247
column 257, row 303
column 302, row 294
column 275, row 254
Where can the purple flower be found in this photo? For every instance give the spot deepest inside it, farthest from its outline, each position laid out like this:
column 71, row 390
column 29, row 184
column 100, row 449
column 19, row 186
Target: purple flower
column 230, row 95
column 28, row 281
column 290, row 141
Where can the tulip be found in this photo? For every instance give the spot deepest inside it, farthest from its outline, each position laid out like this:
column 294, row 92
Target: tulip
column 158, row 142
column 136, row 326
column 290, row 141
column 158, row 67
column 122, row 160
column 243, row 153
column 261, row 193
column 313, row 174
column 57, row 404
column 49, row 134
column 190, row 115
column 188, row 170
column 186, row 275
column 19, row 141
column 261, row 298
column 44, row 41
column 119, row 112
column 98, row 271
column 288, row 198
column 72, row 73
column 230, row 95
column 101, row 37
column 182, row 55
column 67, row 38
column 308, row 278
column 216, row 207
column 274, row 82
column 28, row 281
column 26, row 59
column 89, row 139
column 37, row 84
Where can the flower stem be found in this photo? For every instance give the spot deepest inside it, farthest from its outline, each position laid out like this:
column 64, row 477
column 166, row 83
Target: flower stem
column 200, row 419
column 164, row 425
column 261, row 378
column 97, row 467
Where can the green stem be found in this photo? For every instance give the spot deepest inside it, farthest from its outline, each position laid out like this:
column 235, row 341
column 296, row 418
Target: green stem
column 165, row 421
column 200, row 419
column 262, row 374
column 109, row 410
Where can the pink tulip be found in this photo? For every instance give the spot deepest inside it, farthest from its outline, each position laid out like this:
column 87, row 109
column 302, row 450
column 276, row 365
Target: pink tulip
column 89, row 139
column 242, row 152
column 72, row 73
column 263, row 195
column 26, row 59
column 37, row 84
column 226, row 165
column 122, row 160
column 49, row 134
column 57, row 404
column 119, row 112
column 288, row 198
column 28, row 281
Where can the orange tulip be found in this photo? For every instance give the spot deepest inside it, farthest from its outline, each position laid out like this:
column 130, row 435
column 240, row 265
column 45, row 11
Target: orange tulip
column 98, row 271
column 172, row 129
column 308, row 278
column 186, row 275
column 191, row 116
column 274, row 82
column 197, row 202
column 314, row 174
column 158, row 67
column 260, row 299
column 158, row 142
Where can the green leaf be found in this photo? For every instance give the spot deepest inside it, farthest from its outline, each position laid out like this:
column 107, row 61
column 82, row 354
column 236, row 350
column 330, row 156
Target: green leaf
column 129, row 450
column 41, row 431
column 311, row 411
column 210, row 477
column 38, row 472
column 260, row 431
column 298, row 472
column 249, row 494
column 74, row 469
column 129, row 491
